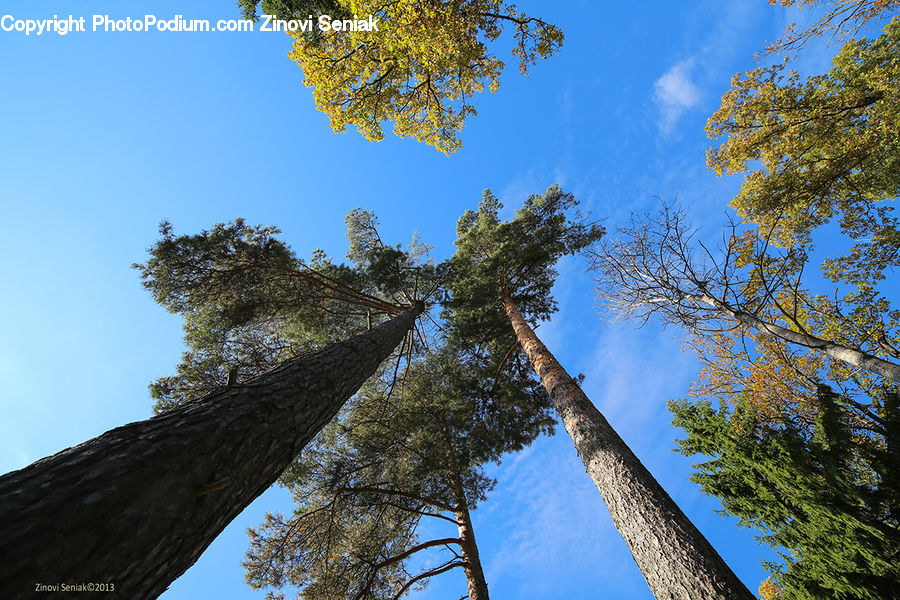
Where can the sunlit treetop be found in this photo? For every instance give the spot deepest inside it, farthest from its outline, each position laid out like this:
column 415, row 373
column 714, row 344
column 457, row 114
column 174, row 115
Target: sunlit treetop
column 828, row 148
column 420, row 69
column 287, row 9
column 249, row 303
column 516, row 257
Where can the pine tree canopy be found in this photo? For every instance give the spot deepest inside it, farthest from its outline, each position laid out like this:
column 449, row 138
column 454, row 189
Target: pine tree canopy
column 517, row 255
column 249, row 303
column 396, row 455
column 412, row 443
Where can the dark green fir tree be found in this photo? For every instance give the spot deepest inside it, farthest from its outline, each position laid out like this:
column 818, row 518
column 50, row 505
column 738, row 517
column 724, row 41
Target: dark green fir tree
column 824, row 493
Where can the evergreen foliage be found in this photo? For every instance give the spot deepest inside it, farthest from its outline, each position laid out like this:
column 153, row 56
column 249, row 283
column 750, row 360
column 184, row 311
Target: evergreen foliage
column 411, row 444
column 825, row 496
column 396, row 455
column 518, row 256
column 501, row 277
column 249, row 303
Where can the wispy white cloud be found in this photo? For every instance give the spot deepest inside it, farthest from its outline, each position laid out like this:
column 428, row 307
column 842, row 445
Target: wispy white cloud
column 715, row 37
column 514, row 193
column 675, row 93
column 555, row 527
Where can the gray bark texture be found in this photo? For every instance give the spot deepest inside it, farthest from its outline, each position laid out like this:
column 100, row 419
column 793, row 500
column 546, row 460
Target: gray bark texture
column 138, row 505
column 851, row 356
column 674, row 557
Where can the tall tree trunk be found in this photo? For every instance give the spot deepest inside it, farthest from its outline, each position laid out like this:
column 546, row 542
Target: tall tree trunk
column 137, row 505
column 478, row 589
column 674, row 557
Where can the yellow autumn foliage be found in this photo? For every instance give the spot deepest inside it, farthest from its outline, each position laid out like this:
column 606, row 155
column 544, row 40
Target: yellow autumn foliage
column 420, row 69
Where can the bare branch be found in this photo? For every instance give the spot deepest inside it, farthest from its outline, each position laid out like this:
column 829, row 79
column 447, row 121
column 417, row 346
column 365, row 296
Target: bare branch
column 652, row 269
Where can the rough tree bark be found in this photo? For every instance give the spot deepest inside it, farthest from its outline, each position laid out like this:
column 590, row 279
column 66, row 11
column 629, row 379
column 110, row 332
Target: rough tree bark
column 475, row 580
column 674, row 557
column 137, row 505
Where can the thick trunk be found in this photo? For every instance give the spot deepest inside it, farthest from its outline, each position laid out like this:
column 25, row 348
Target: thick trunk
column 478, row 589
column 674, row 557
column 851, row 356
column 137, row 505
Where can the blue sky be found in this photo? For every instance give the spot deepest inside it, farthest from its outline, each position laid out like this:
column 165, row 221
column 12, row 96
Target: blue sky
column 106, row 134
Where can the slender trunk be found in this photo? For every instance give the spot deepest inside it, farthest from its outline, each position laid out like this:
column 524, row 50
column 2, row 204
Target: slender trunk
column 137, row 505
column 478, row 589
column 851, row 356
column 477, row 584
column 674, row 557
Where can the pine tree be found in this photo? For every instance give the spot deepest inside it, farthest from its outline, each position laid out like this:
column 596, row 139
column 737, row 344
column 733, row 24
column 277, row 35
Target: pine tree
column 138, row 505
column 397, row 456
column 501, row 277
column 249, row 303
column 413, row 444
